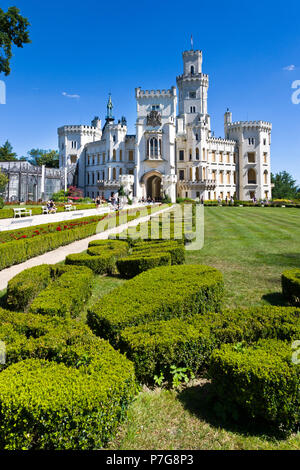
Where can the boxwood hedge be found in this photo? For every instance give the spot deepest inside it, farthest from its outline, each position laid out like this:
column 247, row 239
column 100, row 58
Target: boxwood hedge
column 61, row 387
column 25, row 286
column 260, row 380
column 188, row 342
column 101, row 256
column 154, row 347
column 158, row 294
column 290, row 281
column 66, row 295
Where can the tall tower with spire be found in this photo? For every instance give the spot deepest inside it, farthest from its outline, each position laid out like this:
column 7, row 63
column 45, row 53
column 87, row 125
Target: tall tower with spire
column 192, row 87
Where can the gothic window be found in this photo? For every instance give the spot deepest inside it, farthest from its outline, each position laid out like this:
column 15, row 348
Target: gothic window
column 251, row 176
column 114, row 155
column 121, row 155
column 192, row 70
column 120, row 171
column 154, row 147
column 190, row 154
column 197, row 154
column 197, row 174
column 114, row 174
column 193, row 109
column 196, row 136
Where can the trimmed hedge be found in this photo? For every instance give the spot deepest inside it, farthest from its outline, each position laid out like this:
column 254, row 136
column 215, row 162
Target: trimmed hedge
column 101, row 256
column 25, row 286
column 290, row 281
column 260, row 379
column 150, row 254
column 158, row 294
column 62, row 387
column 189, row 342
column 22, row 249
column 8, row 213
column 137, row 263
column 154, row 347
column 66, row 295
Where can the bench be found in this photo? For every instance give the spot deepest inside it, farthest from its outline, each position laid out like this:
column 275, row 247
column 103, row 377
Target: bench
column 70, row 207
column 19, row 211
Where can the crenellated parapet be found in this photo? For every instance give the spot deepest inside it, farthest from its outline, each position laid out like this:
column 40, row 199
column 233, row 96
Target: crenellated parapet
column 259, row 125
column 139, row 93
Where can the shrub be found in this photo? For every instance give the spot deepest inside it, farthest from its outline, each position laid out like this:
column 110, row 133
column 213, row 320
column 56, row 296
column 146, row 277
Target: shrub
column 158, row 294
column 1, row 202
column 136, row 264
column 101, row 256
column 175, row 248
column 290, row 281
column 25, row 286
column 260, row 379
column 62, row 387
column 66, row 295
column 154, row 347
column 251, row 324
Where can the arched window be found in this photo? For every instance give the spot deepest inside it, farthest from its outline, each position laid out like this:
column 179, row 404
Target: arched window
column 265, row 177
column 154, row 147
column 197, row 174
column 114, row 174
column 120, row 171
column 191, row 174
column 251, row 176
column 192, row 70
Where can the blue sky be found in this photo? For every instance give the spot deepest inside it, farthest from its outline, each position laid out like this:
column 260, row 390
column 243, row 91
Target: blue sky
column 92, row 48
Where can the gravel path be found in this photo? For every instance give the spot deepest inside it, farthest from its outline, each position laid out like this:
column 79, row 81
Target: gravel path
column 59, row 254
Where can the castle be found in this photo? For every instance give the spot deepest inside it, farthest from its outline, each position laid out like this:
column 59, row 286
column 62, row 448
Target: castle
column 174, row 155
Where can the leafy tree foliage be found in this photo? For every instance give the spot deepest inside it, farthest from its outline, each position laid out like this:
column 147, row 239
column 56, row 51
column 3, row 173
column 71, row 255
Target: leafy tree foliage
column 3, row 182
column 6, row 153
column 40, row 157
column 284, row 186
column 13, row 31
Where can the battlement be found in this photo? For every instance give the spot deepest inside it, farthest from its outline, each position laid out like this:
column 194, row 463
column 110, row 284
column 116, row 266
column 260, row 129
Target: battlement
column 220, row 140
column 191, row 53
column 77, row 128
column 263, row 125
column 139, row 93
column 203, row 77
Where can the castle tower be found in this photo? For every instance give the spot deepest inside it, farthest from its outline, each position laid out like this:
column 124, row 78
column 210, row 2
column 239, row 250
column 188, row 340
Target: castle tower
column 192, row 86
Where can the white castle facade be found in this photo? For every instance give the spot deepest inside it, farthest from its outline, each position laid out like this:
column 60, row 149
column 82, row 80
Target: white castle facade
column 173, row 153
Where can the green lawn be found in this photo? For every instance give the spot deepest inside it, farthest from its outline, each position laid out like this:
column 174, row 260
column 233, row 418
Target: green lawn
column 251, row 246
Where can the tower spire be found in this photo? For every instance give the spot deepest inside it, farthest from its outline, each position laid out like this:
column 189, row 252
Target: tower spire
column 109, row 107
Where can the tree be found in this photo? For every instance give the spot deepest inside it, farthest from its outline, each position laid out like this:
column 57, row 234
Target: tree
column 75, row 193
column 13, row 31
column 3, row 182
column 6, row 153
column 284, row 186
column 39, row 157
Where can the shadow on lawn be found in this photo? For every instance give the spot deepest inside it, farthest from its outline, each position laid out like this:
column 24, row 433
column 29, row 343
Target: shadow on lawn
column 288, row 260
column 276, row 298
column 202, row 401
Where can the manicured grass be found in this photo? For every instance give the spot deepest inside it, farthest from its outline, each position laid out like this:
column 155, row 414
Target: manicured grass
column 251, row 246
